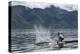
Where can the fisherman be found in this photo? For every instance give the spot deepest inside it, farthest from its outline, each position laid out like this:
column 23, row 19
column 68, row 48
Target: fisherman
column 60, row 41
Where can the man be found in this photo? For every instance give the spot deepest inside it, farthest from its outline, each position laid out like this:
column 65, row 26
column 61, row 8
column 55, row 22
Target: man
column 60, row 40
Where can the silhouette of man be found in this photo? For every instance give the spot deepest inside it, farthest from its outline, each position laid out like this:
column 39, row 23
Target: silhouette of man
column 60, row 40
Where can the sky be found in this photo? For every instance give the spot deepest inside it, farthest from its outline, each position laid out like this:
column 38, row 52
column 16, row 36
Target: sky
column 42, row 5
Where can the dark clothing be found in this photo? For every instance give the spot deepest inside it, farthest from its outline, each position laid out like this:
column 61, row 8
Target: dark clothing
column 61, row 39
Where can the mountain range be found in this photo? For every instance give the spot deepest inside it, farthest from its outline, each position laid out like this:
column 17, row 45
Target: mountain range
column 23, row 17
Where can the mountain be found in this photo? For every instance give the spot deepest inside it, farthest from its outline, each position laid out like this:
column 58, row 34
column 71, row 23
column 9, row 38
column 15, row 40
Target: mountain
column 51, row 17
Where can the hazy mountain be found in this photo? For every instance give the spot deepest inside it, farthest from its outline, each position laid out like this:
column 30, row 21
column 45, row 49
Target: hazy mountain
column 51, row 17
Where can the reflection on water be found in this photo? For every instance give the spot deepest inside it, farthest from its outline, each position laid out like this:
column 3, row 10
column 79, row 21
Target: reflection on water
column 25, row 40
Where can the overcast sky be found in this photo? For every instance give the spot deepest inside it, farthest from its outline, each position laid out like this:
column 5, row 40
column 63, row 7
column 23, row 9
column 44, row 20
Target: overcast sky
column 42, row 5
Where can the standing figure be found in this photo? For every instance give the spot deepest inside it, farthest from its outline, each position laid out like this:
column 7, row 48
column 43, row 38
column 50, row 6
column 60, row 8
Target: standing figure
column 60, row 41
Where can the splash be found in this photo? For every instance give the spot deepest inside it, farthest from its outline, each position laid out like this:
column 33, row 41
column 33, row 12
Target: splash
column 42, row 34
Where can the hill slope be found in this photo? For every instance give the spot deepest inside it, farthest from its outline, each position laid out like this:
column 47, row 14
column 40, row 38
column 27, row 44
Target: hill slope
column 52, row 17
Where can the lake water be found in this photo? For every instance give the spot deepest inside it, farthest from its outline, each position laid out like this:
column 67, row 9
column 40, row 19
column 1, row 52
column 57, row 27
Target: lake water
column 25, row 40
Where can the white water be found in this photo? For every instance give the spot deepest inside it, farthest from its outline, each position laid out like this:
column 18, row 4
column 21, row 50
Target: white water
column 42, row 34
column 24, row 40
